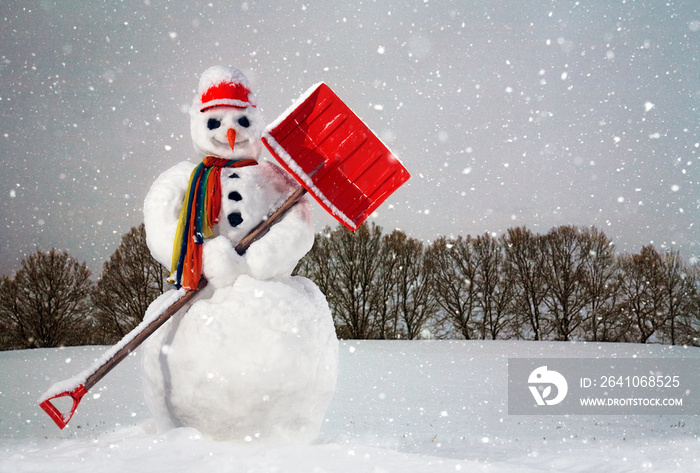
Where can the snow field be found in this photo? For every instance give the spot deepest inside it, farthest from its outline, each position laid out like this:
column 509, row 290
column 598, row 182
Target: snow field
column 399, row 407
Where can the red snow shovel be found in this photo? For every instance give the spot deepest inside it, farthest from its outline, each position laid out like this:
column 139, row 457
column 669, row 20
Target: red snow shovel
column 332, row 154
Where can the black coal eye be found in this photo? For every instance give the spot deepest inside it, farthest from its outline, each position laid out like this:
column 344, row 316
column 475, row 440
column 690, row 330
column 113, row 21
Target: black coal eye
column 213, row 124
column 243, row 121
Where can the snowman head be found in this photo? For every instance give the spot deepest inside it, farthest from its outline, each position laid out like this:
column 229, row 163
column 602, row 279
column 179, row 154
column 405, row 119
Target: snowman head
column 224, row 119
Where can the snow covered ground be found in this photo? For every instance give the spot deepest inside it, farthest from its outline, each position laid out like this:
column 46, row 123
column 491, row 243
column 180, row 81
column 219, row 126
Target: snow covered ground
column 431, row 406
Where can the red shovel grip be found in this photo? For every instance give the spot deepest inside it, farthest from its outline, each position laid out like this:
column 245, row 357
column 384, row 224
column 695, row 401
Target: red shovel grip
column 59, row 417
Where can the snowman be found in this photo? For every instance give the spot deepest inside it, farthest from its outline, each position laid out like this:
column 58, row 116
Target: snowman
column 254, row 357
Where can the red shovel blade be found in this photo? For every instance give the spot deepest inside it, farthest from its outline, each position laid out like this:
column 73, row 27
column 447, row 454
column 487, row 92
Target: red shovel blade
column 59, row 417
column 335, row 156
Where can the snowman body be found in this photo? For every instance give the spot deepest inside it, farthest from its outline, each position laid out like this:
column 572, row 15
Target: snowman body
column 254, row 357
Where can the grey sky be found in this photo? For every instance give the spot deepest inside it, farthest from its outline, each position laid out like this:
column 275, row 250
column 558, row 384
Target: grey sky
column 537, row 113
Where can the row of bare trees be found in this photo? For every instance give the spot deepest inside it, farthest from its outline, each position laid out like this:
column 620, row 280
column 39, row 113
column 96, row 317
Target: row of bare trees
column 377, row 286
column 565, row 285
column 51, row 300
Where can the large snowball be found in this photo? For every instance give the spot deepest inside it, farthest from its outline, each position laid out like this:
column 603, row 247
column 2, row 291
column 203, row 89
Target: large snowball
column 255, row 361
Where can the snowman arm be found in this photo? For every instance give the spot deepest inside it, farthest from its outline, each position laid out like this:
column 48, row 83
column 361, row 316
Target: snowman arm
column 161, row 210
column 274, row 254
column 221, row 265
column 278, row 252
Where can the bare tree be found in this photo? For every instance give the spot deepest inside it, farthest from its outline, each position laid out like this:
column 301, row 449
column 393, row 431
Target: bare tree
column 601, row 321
column 346, row 266
column 453, row 270
column 494, row 286
column 12, row 331
column 525, row 262
column 641, row 282
column 680, row 286
column 387, row 308
column 689, row 322
column 411, row 296
column 566, row 257
column 46, row 304
column 131, row 279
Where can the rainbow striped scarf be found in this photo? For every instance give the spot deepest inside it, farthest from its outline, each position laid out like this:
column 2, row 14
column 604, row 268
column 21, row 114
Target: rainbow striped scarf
column 199, row 213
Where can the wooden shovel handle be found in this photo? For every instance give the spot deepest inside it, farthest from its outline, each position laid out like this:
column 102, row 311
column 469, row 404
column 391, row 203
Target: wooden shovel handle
column 61, row 419
column 258, row 232
column 140, row 337
column 264, row 226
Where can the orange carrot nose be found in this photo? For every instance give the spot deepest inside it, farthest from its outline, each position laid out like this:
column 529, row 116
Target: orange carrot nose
column 231, row 133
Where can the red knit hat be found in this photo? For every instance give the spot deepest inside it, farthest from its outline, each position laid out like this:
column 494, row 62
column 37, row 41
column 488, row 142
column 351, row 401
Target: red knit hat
column 223, row 86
